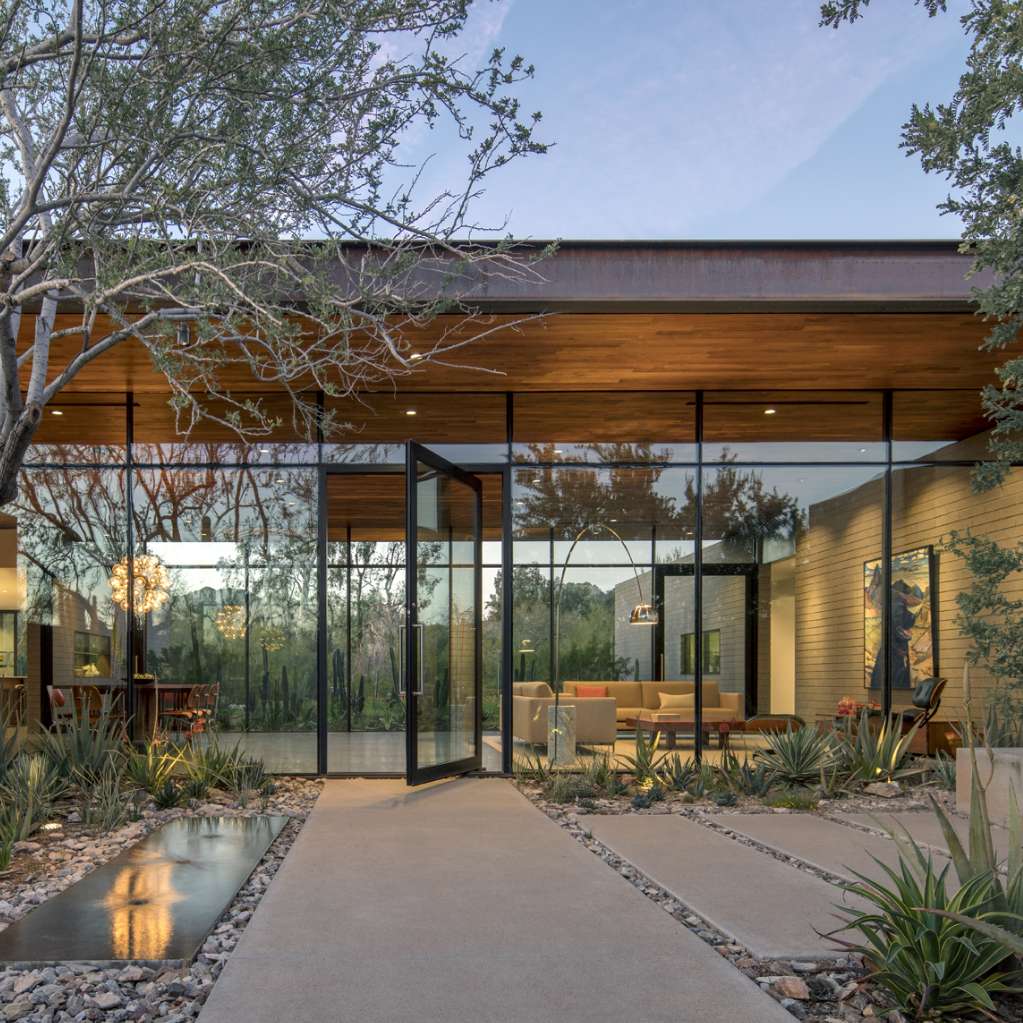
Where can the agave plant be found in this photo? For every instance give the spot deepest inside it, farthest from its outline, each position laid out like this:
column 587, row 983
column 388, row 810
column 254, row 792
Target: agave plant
column 871, row 755
column 211, row 767
column 249, row 776
column 796, row 756
column 676, row 773
column 919, row 942
column 103, row 805
column 644, row 764
column 150, row 767
column 82, row 747
column 1002, row 919
column 601, row 775
column 742, row 778
column 30, row 788
column 943, row 771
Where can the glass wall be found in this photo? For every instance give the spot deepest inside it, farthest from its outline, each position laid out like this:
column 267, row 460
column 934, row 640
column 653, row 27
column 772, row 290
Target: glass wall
column 238, row 548
column 755, row 523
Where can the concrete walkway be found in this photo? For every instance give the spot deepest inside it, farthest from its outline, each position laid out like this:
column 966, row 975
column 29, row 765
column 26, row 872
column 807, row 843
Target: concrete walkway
column 462, row 903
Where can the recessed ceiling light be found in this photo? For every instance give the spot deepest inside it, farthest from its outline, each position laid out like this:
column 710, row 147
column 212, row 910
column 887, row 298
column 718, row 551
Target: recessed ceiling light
column 279, row 479
column 414, row 357
column 410, row 411
column 770, row 411
column 264, row 451
column 56, row 412
column 863, row 451
column 558, row 451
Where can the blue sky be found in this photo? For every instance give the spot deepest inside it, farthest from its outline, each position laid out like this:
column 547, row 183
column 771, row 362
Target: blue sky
column 717, row 119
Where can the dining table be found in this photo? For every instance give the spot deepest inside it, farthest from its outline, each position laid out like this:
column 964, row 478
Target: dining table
column 152, row 699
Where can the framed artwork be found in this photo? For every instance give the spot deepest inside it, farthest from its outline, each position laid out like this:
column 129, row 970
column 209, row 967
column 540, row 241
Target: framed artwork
column 914, row 633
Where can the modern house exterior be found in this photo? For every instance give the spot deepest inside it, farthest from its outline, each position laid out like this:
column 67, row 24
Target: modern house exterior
column 767, row 443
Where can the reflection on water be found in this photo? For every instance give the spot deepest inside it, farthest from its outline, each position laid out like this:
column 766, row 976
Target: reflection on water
column 154, row 902
column 139, row 903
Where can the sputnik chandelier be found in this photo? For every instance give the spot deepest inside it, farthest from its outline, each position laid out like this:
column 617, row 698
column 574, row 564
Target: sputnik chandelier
column 149, row 583
column 230, row 621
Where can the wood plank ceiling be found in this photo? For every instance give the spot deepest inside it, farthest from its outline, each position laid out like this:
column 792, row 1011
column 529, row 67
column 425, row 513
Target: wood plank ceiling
column 649, row 352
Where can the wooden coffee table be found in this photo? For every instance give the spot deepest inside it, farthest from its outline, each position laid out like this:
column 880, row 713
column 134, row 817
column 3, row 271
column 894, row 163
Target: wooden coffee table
column 671, row 725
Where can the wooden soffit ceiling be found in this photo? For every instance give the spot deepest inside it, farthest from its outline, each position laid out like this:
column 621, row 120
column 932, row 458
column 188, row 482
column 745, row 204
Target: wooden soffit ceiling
column 659, row 351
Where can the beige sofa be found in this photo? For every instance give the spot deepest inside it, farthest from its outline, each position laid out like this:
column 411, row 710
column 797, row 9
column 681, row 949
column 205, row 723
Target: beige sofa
column 595, row 721
column 631, row 698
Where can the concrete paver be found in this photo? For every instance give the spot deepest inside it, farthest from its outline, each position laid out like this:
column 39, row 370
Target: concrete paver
column 827, row 845
column 460, row 902
column 772, row 908
column 924, row 827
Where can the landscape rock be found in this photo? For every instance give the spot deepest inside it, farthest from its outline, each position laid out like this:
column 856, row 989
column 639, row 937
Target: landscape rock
column 791, row 987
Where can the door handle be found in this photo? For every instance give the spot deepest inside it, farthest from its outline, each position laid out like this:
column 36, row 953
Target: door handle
column 420, row 685
column 420, row 677
column 402, row 630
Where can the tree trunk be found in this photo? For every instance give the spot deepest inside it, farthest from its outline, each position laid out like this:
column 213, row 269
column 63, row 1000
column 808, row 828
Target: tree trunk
column 12, row 453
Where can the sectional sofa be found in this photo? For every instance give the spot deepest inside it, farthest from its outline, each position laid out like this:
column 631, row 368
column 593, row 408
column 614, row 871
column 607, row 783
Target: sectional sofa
column 599, row 718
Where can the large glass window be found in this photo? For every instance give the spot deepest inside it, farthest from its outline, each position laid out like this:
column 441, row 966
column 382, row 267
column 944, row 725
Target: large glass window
column 82, row 428
column 237, row 552
column 785, row 552
column 613, row 426
column 60, row 542
column 938, row 426
column 793, row 426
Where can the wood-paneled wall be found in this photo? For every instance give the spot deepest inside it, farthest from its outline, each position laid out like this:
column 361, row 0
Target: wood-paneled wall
column 844, row 532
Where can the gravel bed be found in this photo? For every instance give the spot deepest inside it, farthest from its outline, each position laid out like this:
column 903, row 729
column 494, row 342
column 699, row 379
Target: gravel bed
column 79, row 992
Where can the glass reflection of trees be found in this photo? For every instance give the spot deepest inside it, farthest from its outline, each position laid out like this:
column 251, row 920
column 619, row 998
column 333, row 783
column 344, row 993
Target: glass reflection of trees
column 71, row 530
column 650, row 505
column 240, row 545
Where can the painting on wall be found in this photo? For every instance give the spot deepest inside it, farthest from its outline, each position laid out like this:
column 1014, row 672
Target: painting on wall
column 914, row 632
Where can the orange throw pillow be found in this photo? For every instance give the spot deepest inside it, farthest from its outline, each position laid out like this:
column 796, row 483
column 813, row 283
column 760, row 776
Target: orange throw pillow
column 591, row 691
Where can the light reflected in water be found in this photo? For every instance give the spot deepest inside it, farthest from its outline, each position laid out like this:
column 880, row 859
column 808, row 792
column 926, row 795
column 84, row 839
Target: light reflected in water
column 139, row 903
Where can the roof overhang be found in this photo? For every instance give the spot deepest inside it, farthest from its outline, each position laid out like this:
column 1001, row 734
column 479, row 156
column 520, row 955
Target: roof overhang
column 740, row 276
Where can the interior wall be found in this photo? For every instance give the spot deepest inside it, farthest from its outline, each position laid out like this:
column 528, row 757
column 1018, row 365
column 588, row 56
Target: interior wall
column 781, row 587
column 844, row 532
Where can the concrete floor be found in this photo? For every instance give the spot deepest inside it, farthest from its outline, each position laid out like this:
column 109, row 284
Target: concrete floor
column 459, row 902
column 347, row 752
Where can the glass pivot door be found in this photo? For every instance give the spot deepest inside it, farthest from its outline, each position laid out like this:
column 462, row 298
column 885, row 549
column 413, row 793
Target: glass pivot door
column 442, row 662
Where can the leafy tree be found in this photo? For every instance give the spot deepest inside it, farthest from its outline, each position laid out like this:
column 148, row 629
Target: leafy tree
column 160, row 164
column 969, row 140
